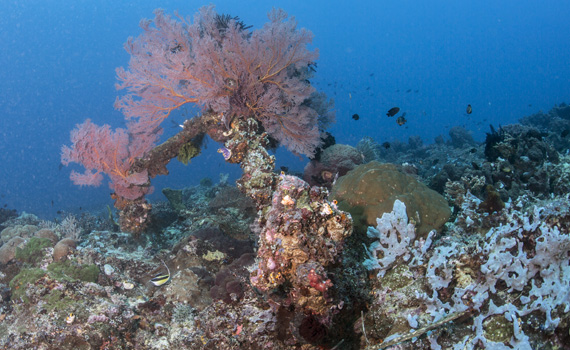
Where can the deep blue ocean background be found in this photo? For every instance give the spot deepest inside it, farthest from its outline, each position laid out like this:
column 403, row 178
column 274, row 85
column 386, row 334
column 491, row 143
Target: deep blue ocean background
column 508, row 59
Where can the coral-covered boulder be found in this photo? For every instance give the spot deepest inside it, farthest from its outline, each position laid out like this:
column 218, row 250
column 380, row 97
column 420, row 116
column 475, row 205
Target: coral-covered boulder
column 24, row 231
column 47, row 233
column 8, row 249
column 302, row 235
column 335, row 160
column 63, row 248
column 370, row 190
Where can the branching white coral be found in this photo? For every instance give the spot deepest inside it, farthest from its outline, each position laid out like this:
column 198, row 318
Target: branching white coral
column 394, row 235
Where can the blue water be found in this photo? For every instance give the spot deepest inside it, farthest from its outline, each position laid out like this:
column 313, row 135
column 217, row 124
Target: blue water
column 507, row 59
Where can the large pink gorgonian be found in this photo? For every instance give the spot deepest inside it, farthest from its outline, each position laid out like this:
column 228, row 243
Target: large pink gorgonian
column 217, row 63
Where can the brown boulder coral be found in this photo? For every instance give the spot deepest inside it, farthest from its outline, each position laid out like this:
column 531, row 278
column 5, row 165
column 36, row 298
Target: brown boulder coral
column 8, row 249
column 369, row 190
column 63, row 248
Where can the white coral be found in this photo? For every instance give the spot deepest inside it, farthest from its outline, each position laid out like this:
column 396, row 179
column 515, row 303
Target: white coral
column 395, row 236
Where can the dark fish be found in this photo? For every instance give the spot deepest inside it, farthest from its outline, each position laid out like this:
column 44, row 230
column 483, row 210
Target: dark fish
column 416, row 91
column 475, row 166
column 393, row 111
column 175, row 124
column 371, row 74
column 401, row 121
column 284, row 169
column 355, row 116
column 60, row 166
column 52, row 202
column 409, row 90
column 5, row 205
column 565, row 133
column 473, row 150
column 435, row 161
column 386, row 145
column 469, row 109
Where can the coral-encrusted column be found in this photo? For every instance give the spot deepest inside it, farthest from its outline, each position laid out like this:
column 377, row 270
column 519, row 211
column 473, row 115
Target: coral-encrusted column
column 301, row 235
column 300, row 232
column 248, row 146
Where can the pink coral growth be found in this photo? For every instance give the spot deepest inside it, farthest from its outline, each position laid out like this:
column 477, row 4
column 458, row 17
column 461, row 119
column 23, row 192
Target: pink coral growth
column 318, row 282
column 217, row 63
column 101, row 150
column 97, row 318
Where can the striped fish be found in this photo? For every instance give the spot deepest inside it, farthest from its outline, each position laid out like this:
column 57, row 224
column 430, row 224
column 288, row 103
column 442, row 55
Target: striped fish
column 161, row 279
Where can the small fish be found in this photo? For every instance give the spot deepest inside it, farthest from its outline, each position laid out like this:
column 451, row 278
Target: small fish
column 469, row 109
column 349, row 95
column 161, row 279
column 401, row 121
column 435, row 161
column 393, row 111
column 386, row 145
column 70, row 318
column 284, row 169
column 565, row 133
column 408, row 91
column 473, row 150
column 355, row 116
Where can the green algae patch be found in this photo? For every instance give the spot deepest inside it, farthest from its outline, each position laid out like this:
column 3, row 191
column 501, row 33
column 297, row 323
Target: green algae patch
column 70, row 271
column 56, row 300
column 397, row 278
column 188, row 151
column 33, row 250
column 498, row 329
column 21, row 281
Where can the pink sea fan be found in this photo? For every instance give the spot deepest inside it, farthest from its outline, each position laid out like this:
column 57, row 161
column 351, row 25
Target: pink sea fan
column 103, row 151
column 216, row 62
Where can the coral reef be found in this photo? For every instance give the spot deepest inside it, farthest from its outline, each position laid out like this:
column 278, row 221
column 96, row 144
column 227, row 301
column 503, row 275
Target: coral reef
column 505, row 283
column 274, row 267
column 276, row 263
